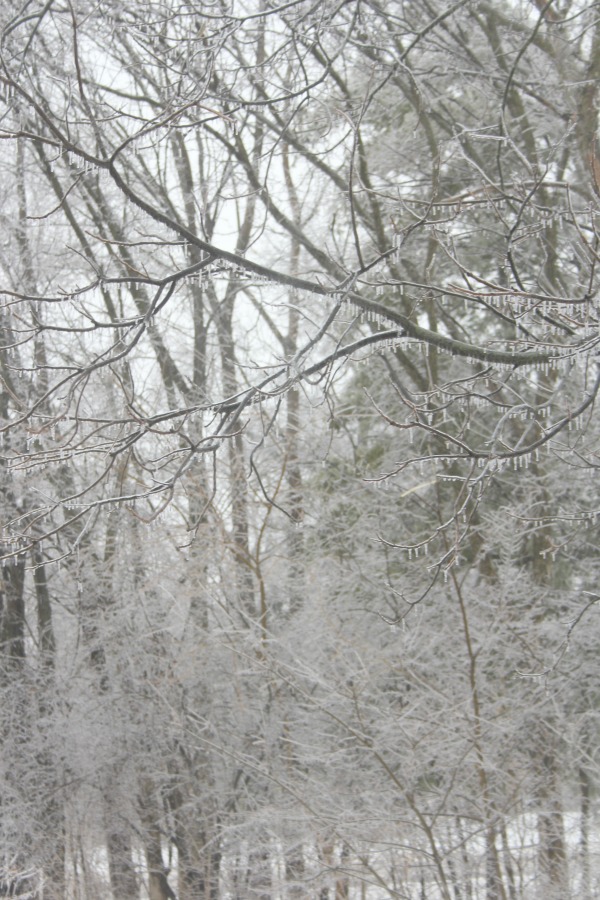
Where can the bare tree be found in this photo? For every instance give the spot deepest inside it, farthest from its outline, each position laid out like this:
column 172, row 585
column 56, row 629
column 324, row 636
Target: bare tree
column 214, row 216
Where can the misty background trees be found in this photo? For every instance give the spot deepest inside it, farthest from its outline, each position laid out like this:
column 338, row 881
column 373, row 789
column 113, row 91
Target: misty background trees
column 299, row 366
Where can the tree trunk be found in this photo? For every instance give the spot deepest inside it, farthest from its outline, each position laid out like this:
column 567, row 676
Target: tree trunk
column 199, row 866
column 259, row 882
column 123, row 878
column 12, row 614
column 552, row 849
column 585, row 788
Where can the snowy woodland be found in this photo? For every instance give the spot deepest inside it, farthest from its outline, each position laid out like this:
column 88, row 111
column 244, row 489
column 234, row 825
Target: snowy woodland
column 299, row 449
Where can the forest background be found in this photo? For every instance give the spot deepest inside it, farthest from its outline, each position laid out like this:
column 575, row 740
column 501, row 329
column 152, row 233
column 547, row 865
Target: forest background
column 299, row 316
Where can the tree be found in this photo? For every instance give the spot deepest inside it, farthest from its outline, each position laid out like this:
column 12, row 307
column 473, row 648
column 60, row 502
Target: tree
column 213, row 216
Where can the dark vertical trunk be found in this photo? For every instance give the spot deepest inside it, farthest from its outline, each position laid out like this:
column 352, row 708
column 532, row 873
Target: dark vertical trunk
column 585, row 788
column 240, row 532
column 20, row 876
column 493, row 873
column 259, row 881
column 552, row 848
column 119, row 849
column 158, row 884
column 199, row 867
column 295, row 574
column 123, row 877
column 46, row 639
column 293, row 471
column 52, row 812
column 12, row 614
